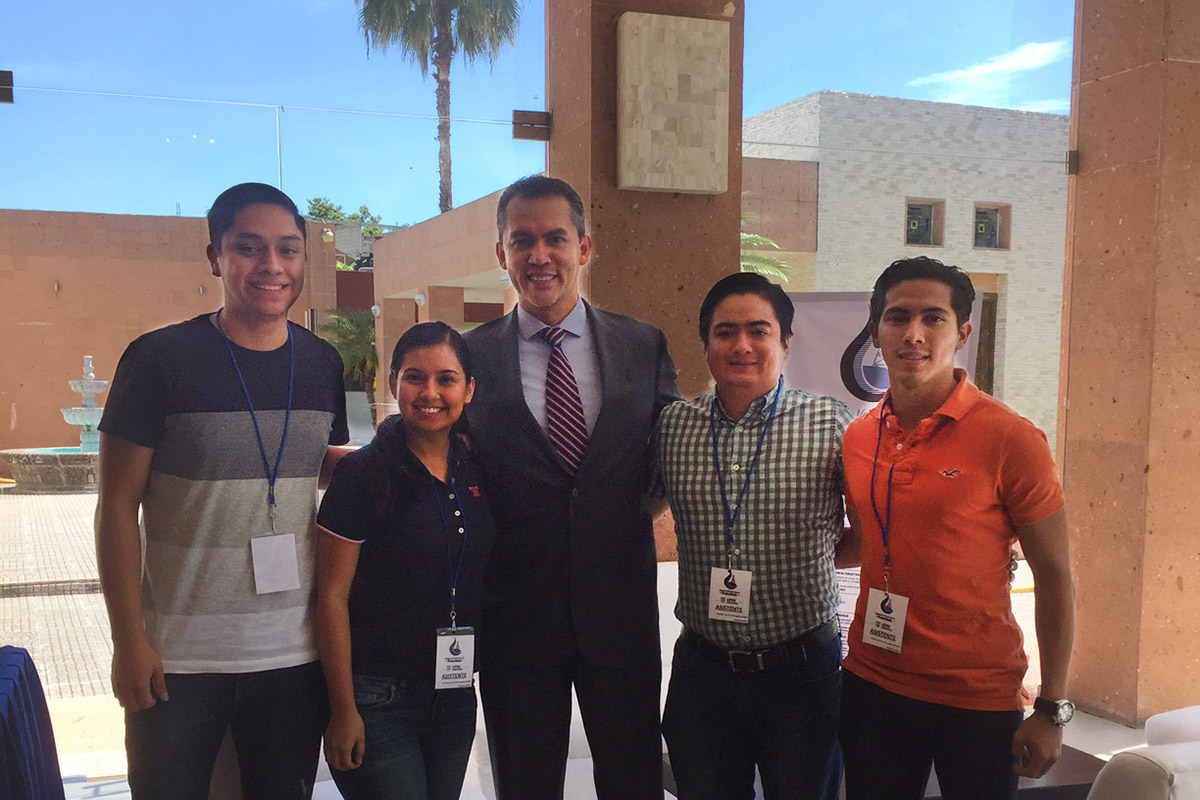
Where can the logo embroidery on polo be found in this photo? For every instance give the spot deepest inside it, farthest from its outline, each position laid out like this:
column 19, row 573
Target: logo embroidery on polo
column 474, row 490
column 951, row 473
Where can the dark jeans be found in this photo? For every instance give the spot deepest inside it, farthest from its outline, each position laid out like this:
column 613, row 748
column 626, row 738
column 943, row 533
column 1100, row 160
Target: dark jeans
column 528, row 716
column 277, row 717
column 890, row 742
column 418, row 740
column 719, row 724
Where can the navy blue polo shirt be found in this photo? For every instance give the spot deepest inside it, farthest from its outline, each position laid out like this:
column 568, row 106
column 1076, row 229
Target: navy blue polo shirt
column 411, row 543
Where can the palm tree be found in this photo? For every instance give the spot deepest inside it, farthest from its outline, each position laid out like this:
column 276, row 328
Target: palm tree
column 352, row 333
column 754, row 261
column 433, row 31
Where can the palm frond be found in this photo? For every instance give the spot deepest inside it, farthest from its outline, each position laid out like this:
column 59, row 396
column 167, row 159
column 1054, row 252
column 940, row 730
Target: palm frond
column 407, row 26
column 749, row 240
column 766, row 266
column 352, row 334
column 483, row 27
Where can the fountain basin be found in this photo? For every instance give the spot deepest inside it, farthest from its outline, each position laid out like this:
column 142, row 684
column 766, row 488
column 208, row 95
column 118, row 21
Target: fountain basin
column 40, row 470
column 86, row 418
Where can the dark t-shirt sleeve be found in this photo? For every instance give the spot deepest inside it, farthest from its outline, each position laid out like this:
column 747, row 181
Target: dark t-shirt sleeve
column 340, row 433
column 345, row 507
column 136, row 405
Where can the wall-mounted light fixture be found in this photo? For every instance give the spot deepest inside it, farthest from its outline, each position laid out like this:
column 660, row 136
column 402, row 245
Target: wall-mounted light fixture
column 57, row 286
column 327, row 235
column 376, row 310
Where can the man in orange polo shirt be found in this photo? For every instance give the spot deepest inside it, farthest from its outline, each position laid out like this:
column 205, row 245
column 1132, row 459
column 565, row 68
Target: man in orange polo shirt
column 941, row 479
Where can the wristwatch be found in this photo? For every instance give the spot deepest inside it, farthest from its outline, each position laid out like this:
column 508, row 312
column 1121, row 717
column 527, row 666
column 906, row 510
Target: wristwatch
column 1060, row 712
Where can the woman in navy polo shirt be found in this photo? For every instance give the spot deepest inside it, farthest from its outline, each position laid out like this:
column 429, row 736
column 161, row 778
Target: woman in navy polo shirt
column 400, row 573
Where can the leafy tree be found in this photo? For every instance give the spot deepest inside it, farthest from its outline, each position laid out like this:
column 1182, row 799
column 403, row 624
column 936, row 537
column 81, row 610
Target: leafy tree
column 433, row 31
column 352, row 333
column 325, row 209
column 369, row 221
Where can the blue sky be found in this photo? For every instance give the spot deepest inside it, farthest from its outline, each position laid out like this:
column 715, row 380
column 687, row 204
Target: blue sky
column 75, row 151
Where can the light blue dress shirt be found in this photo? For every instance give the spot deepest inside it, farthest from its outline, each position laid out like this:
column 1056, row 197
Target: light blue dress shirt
column 580, row 349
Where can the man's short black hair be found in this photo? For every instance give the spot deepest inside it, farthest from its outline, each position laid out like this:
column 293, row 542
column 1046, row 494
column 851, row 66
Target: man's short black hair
column 962, row 293
column 748, row 283
column 234, row 199
column 534, row 186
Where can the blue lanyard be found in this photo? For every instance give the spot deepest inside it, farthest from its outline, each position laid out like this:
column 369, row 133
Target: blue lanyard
column 732, row 515
column 885, row 521
column 272, row 474
column 455, row 569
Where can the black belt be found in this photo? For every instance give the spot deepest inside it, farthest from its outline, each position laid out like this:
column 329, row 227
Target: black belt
column 762, row 659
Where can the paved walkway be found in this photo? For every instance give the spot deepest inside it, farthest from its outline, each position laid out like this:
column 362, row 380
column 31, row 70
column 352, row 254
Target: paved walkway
column 50, row 604
column 50, row 600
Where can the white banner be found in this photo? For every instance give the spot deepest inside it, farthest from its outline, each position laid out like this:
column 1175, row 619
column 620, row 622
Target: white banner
column 831, row 352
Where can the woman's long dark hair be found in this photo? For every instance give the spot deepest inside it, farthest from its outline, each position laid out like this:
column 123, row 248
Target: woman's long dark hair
column 389, row 475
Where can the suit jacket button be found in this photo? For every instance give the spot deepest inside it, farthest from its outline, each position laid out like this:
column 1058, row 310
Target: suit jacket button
column 574, row 493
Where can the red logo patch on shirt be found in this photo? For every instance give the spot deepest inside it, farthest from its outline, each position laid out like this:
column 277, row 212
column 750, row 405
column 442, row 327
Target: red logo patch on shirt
column 474, row 490
column 951, row 473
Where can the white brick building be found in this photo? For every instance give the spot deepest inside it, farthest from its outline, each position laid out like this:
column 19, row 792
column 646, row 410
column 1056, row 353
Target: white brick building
column 877, row 156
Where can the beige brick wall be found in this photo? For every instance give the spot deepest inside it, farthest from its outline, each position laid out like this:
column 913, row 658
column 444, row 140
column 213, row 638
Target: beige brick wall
column 874, row 152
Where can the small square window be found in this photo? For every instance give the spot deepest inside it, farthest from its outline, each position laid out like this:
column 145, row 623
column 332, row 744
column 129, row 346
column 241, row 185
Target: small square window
column 992, row 226
column 924, row 222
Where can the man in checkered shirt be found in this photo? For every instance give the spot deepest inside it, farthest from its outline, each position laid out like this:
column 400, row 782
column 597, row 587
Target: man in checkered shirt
column 754, row 479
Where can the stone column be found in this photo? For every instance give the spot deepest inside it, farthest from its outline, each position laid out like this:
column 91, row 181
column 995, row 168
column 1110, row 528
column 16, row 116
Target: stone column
column 1129, row 433
column 656, row 253
column 320, row 279
column 396, row 316
column 445, row 304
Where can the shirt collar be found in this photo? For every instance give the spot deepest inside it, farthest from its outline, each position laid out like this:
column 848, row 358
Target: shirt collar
column 961, row 399
column 759, row 408
column 959, row 402
column 575, row 323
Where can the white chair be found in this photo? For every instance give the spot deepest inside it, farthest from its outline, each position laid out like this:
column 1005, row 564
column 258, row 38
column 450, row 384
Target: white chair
column 1168, row 768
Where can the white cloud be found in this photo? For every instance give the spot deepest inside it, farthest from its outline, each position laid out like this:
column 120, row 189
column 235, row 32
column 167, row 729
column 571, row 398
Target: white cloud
column 1054, row 106
column 1025, row 58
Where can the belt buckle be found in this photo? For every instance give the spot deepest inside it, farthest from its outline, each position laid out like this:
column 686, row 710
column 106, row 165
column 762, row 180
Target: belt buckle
column 733, row 664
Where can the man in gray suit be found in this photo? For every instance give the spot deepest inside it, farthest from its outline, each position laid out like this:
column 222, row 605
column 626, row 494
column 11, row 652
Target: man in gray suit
column 566, row 399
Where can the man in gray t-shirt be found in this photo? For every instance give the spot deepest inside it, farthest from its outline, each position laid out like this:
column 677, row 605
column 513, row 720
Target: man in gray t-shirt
column 216, row 431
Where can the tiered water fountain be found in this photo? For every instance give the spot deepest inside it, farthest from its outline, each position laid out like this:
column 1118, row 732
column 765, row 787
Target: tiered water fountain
column 64, row 469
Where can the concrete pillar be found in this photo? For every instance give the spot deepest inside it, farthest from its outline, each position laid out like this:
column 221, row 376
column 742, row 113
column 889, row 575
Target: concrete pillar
column 396, row 316
column 656, row 253
column 320, row 279
column 1129, row 433
column 445, row 304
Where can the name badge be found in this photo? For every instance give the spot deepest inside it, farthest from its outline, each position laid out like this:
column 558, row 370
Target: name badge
column 729, row 594
column 455, row 663
column 276, row 568
column 884, row 622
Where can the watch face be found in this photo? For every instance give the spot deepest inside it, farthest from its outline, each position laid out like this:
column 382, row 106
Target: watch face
column 1066, row 710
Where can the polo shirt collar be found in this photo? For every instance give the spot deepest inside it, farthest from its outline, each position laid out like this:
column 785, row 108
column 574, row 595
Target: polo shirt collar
column 961, row 399
column 965, row 395
column 575, row 323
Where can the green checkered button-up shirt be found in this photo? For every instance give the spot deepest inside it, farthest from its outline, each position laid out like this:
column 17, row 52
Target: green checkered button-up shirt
column 790, row 519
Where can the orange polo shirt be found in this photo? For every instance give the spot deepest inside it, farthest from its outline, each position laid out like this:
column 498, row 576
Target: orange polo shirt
column 964, row 480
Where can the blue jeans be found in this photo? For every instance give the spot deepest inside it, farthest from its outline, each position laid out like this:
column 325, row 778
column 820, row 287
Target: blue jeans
column 418, row 740
column 277, row 717
column 890, row 742
column 720, row 724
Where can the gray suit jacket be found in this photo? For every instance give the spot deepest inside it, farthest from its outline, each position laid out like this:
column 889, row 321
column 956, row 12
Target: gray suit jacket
column 573, row 564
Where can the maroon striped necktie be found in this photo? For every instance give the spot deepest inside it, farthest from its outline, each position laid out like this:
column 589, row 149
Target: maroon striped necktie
column 564, row 408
